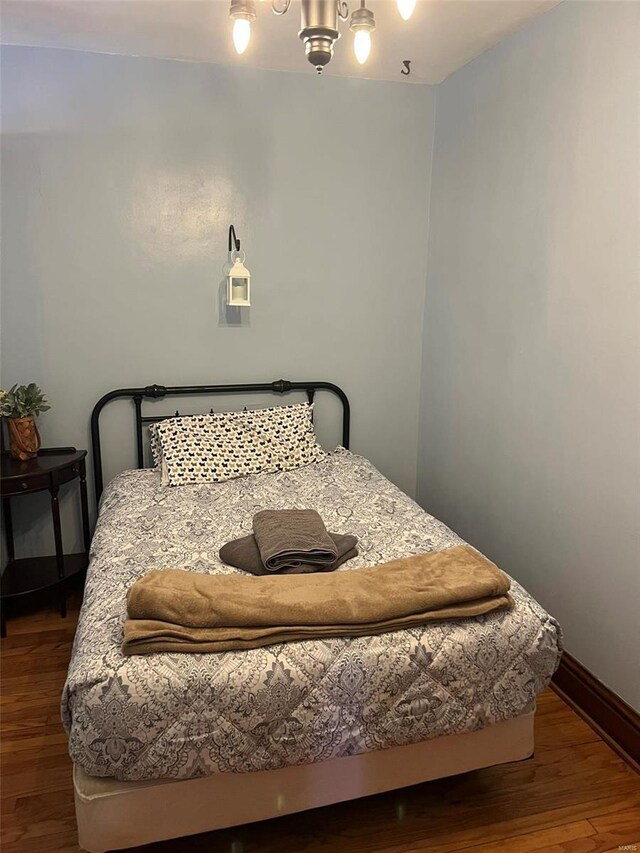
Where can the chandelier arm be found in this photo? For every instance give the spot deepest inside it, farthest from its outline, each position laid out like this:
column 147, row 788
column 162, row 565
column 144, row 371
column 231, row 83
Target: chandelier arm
column 343, row 9
column 280, row 8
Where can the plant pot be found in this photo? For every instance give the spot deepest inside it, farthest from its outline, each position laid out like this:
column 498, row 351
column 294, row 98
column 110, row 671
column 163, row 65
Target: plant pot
column 24, row 438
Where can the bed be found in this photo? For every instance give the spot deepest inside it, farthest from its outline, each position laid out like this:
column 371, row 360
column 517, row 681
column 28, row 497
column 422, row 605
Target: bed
column 171, row 744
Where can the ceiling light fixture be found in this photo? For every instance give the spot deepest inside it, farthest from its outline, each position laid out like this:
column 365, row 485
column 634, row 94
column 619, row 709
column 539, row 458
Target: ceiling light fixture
column 243, row 14
column 406, row 8
column 319, row 26
column 362, row 25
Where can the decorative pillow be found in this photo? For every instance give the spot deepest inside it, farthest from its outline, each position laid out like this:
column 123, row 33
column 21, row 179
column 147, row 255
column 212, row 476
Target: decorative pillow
column 155, row 444
column 224, row 445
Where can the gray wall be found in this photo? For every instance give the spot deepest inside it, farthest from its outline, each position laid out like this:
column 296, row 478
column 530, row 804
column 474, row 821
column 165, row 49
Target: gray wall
column 530, row 425
column 120, row 179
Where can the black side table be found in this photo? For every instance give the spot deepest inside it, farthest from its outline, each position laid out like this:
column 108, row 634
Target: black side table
column 48, row 471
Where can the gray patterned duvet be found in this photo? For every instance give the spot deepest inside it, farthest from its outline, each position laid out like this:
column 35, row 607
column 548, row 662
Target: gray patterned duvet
column 183, row 715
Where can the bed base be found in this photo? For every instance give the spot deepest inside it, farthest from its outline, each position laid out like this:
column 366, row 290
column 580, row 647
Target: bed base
column 113, row 815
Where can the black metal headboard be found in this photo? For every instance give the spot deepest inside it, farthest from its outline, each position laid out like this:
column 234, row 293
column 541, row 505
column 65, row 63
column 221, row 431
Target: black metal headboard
column 157, row 392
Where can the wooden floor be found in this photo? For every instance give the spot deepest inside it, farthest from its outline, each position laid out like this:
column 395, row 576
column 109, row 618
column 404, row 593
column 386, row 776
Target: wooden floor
column 575, row 796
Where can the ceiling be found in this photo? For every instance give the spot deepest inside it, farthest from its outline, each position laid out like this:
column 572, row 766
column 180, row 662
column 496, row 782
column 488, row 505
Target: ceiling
column 441, row 36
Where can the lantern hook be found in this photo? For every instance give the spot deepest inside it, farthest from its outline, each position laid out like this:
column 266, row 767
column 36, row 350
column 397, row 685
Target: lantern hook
column 236, row 242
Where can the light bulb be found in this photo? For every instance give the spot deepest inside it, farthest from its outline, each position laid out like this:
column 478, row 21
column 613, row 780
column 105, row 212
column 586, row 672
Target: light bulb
column 362, row 45
column 241, row 34
column 406, row 7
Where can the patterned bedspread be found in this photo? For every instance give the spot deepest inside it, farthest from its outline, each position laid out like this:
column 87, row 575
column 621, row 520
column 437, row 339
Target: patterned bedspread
column 183, row 715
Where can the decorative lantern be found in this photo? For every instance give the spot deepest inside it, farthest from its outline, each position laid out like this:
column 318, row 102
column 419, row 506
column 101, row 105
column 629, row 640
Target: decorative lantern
column 238, row 277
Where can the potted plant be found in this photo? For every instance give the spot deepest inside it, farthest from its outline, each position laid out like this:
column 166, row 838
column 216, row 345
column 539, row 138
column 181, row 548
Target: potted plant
column 19, row 406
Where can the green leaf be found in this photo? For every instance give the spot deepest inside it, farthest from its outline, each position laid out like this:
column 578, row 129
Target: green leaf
column 23, row 400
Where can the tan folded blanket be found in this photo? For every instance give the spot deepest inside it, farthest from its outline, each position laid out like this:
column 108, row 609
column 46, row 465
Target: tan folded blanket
column 244, row 554
column 289, row 537
column 180, row 611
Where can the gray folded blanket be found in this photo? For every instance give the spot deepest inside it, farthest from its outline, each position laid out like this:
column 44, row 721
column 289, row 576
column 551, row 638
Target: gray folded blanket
column 244, row 554
column 288, row 538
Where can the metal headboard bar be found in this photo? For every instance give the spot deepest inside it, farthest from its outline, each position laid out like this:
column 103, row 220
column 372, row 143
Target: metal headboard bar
column 158, row 392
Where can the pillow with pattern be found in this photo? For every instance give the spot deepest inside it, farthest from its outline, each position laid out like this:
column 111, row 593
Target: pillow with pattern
column 225, row 445
column 155, row 444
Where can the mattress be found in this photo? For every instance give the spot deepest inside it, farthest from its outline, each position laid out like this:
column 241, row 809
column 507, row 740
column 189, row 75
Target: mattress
column 178, row 716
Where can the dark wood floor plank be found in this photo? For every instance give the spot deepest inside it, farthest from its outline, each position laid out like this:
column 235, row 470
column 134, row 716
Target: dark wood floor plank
column 566, row 732
column 627, row 821
column 534, row 841
column 575, row 796
column 497, row 834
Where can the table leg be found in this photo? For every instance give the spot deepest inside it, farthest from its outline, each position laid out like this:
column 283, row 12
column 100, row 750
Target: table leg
column 57, row 535
column 11, row 554
column 8, row 526
column 84, row 506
